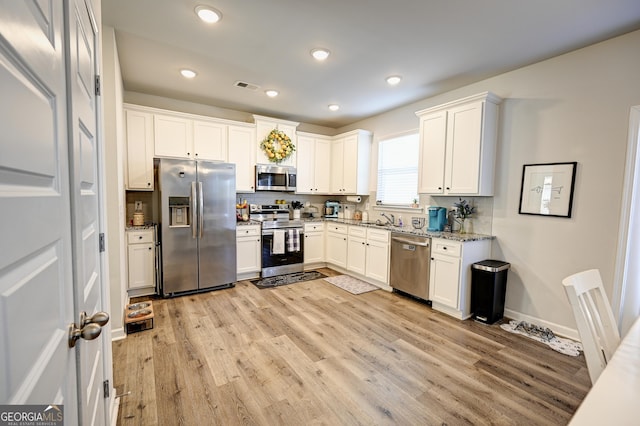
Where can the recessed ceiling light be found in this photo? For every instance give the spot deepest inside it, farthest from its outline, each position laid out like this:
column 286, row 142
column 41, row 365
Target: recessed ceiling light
column 320, row 54
column 334, row 107
column 208, row 14
column 271, row 93
column 394, row 79
column 186, row 73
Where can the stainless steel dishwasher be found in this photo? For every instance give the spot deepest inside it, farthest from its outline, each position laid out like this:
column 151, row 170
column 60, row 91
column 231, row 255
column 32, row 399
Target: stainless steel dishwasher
column 410, row 260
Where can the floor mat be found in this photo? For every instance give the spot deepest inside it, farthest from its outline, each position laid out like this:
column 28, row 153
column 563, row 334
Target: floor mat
column 350, row 284
column 544, row 335
column 279, row 280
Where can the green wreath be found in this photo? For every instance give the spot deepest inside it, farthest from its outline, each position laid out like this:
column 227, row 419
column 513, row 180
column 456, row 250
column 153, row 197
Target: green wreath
column 277, row 146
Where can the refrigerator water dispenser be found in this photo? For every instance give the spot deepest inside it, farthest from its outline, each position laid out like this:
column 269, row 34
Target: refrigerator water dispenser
column 179, row 211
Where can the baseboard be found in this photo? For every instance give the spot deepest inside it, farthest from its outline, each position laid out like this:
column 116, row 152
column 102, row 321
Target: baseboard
column 118, row 334
column 558, row 329
column 115, row 407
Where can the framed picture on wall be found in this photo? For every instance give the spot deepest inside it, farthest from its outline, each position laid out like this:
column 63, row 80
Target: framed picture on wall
column 547, row 189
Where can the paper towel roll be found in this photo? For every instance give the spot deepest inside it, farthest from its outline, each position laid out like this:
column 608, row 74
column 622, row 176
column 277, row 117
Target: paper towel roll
column 354, row 198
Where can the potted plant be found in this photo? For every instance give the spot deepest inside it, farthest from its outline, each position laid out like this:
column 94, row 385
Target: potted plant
column 462, row 212
column 415, row 204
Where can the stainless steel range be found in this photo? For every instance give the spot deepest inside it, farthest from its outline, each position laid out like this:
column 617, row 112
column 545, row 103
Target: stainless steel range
column 282, row 239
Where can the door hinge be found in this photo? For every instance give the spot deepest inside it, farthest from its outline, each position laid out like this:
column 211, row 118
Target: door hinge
column 106, row 388
column 97, row 85
column 101, row 241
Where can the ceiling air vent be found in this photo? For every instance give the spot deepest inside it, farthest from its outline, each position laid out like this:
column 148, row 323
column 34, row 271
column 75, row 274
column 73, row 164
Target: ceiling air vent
column 245, row 85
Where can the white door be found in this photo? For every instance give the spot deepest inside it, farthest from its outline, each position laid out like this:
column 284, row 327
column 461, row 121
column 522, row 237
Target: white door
column 39, row 186
column 36, row 281
column 85, row 205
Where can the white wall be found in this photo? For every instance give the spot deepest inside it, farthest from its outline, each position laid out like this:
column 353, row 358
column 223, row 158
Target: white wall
column 114, row 171
column 574, row 107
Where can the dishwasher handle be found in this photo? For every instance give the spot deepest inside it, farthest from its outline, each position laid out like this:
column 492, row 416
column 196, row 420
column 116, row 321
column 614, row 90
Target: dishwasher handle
column 415, row 243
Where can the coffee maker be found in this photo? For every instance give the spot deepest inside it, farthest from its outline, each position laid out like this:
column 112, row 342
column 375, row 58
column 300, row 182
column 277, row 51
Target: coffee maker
column 437, row 218
column 332, row 208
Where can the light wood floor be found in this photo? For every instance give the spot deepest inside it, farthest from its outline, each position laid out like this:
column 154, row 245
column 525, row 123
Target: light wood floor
column 311, row 353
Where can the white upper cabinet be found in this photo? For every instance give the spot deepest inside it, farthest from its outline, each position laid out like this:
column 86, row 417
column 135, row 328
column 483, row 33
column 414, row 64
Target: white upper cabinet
column 458, row 146
column 264, row 125
column 173, row 136
column 182, row 137
column 350, row 155
column 209, row 140
column 241, row 151
column 313, row 158
column 139, row 140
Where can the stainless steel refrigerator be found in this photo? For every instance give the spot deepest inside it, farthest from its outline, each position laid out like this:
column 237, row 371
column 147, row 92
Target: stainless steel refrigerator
column 198, row 225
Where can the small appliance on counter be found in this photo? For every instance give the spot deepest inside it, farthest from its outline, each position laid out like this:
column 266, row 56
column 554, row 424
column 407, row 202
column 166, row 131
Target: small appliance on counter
column 332, row 208
column 437, row 218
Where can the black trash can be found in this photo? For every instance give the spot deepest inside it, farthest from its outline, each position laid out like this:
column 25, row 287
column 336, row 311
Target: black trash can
column 488, row 288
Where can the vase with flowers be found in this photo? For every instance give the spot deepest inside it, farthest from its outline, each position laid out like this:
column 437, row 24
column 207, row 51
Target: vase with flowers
column 462, row 213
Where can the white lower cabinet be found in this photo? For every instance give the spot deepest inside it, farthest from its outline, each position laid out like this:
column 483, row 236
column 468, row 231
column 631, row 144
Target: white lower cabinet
column 248, row 251
column 336, row 244
column 313, row 243
column 141, row 262
column 368, row 253
column 450, row 277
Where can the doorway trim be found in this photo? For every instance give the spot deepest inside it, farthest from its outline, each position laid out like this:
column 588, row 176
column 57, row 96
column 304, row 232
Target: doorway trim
column 630, row 205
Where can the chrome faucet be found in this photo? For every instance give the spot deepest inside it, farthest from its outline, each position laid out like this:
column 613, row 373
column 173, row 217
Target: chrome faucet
column 390, row 220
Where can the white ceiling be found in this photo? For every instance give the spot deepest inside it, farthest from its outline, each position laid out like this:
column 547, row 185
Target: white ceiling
column 436, row 45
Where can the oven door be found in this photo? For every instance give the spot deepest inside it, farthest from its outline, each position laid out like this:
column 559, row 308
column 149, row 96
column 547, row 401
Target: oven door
column 288, row 260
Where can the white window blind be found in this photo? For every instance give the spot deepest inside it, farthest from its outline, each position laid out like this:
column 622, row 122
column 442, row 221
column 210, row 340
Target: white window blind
column 398, row 170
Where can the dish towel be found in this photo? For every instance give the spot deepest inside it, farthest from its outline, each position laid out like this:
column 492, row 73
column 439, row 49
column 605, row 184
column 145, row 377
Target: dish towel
column 278, row 242
column 293, row 244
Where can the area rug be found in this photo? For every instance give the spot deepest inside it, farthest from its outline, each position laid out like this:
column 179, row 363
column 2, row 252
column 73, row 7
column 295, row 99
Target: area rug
column 544, row 335
column 279, row 280
column 350, row 284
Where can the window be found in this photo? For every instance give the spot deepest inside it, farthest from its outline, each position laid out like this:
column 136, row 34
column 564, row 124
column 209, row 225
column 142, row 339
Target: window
column 398, row 170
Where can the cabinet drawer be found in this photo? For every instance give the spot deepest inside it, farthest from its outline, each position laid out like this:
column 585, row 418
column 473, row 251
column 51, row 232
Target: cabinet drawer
column 446, row 247
column 337, row 228
column 140, row 237
column 314, row 227
column 247, row 231
column 378, row 235
column 358, row 231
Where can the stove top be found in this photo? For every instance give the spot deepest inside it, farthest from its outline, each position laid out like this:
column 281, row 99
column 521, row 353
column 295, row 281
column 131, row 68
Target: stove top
column 273, row 216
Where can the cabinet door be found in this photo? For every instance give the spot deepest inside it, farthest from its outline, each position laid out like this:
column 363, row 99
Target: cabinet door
column 248, row 254
column 209, row 141
column 377, row 266
column 141, row 259
column 445, row 280
column 313, row 247
column 173, row 136
column 356, row 255
column 337, row 166
column 336, row 252
column 464, row 141
column 139, row 130
column 305, row 165
column 350, row 165
column 433, row 130
column 322, row 161
column 241, row 151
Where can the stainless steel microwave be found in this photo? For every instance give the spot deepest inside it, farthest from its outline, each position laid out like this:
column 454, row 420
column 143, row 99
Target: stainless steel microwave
column 275, row 178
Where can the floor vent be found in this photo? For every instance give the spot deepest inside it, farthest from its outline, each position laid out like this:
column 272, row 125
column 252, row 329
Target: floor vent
column 245, row 85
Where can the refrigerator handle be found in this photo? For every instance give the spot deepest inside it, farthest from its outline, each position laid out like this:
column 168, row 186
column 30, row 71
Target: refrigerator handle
column 200, row 209
column 194, row 212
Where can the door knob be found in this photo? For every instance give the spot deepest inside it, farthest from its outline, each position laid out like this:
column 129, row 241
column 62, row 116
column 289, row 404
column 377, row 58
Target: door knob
column 100, row 318
column 91, row 327
column 88, row 332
